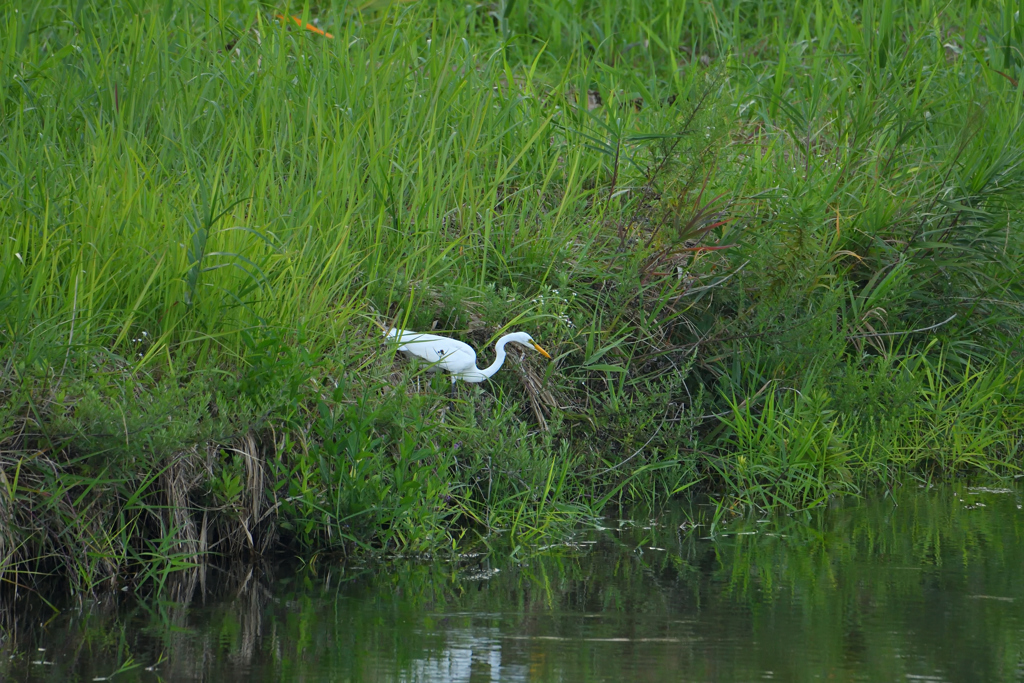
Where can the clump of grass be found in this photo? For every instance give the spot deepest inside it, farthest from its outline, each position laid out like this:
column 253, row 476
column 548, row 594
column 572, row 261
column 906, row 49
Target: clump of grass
column 765, row 271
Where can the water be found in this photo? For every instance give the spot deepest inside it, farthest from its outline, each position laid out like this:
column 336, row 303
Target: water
column 931, row 589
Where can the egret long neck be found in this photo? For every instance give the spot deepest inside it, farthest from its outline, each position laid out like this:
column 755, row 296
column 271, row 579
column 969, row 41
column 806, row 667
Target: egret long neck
column 499, row 357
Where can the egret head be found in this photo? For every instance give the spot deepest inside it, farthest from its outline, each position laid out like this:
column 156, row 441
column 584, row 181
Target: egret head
column 526, row 340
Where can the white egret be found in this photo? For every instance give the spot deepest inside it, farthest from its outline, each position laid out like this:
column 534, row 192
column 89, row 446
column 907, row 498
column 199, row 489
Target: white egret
column 455, row 357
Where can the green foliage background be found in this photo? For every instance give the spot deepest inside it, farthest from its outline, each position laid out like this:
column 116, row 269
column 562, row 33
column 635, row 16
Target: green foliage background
column 774, row 247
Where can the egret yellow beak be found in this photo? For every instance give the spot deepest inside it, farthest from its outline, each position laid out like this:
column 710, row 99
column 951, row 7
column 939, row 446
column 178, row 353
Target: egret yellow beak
column 540, row 350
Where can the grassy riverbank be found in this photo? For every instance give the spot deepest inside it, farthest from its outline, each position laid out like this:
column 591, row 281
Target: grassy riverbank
column 775, row 250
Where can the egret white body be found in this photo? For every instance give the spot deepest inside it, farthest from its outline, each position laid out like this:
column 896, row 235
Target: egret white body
column 455, row 357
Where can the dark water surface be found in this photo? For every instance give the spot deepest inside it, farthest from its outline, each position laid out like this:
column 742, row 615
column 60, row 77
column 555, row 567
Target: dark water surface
column 931, row 589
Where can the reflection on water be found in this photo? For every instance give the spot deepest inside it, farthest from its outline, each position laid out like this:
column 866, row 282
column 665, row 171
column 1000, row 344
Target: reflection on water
column 931, row 589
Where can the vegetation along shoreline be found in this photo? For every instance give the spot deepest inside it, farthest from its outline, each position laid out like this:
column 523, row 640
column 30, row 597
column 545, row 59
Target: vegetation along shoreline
column 773, row 248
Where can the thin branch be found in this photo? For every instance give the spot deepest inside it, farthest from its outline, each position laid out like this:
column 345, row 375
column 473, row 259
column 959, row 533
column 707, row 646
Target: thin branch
column 896, row 334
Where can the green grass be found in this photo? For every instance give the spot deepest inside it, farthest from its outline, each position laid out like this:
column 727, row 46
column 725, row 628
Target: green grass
column 773, row 246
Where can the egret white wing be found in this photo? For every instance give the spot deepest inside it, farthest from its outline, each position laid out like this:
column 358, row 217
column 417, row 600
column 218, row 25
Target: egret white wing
column 446, row 353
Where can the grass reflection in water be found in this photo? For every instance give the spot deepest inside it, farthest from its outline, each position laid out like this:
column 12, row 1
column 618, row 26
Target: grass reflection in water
column 929, row 589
